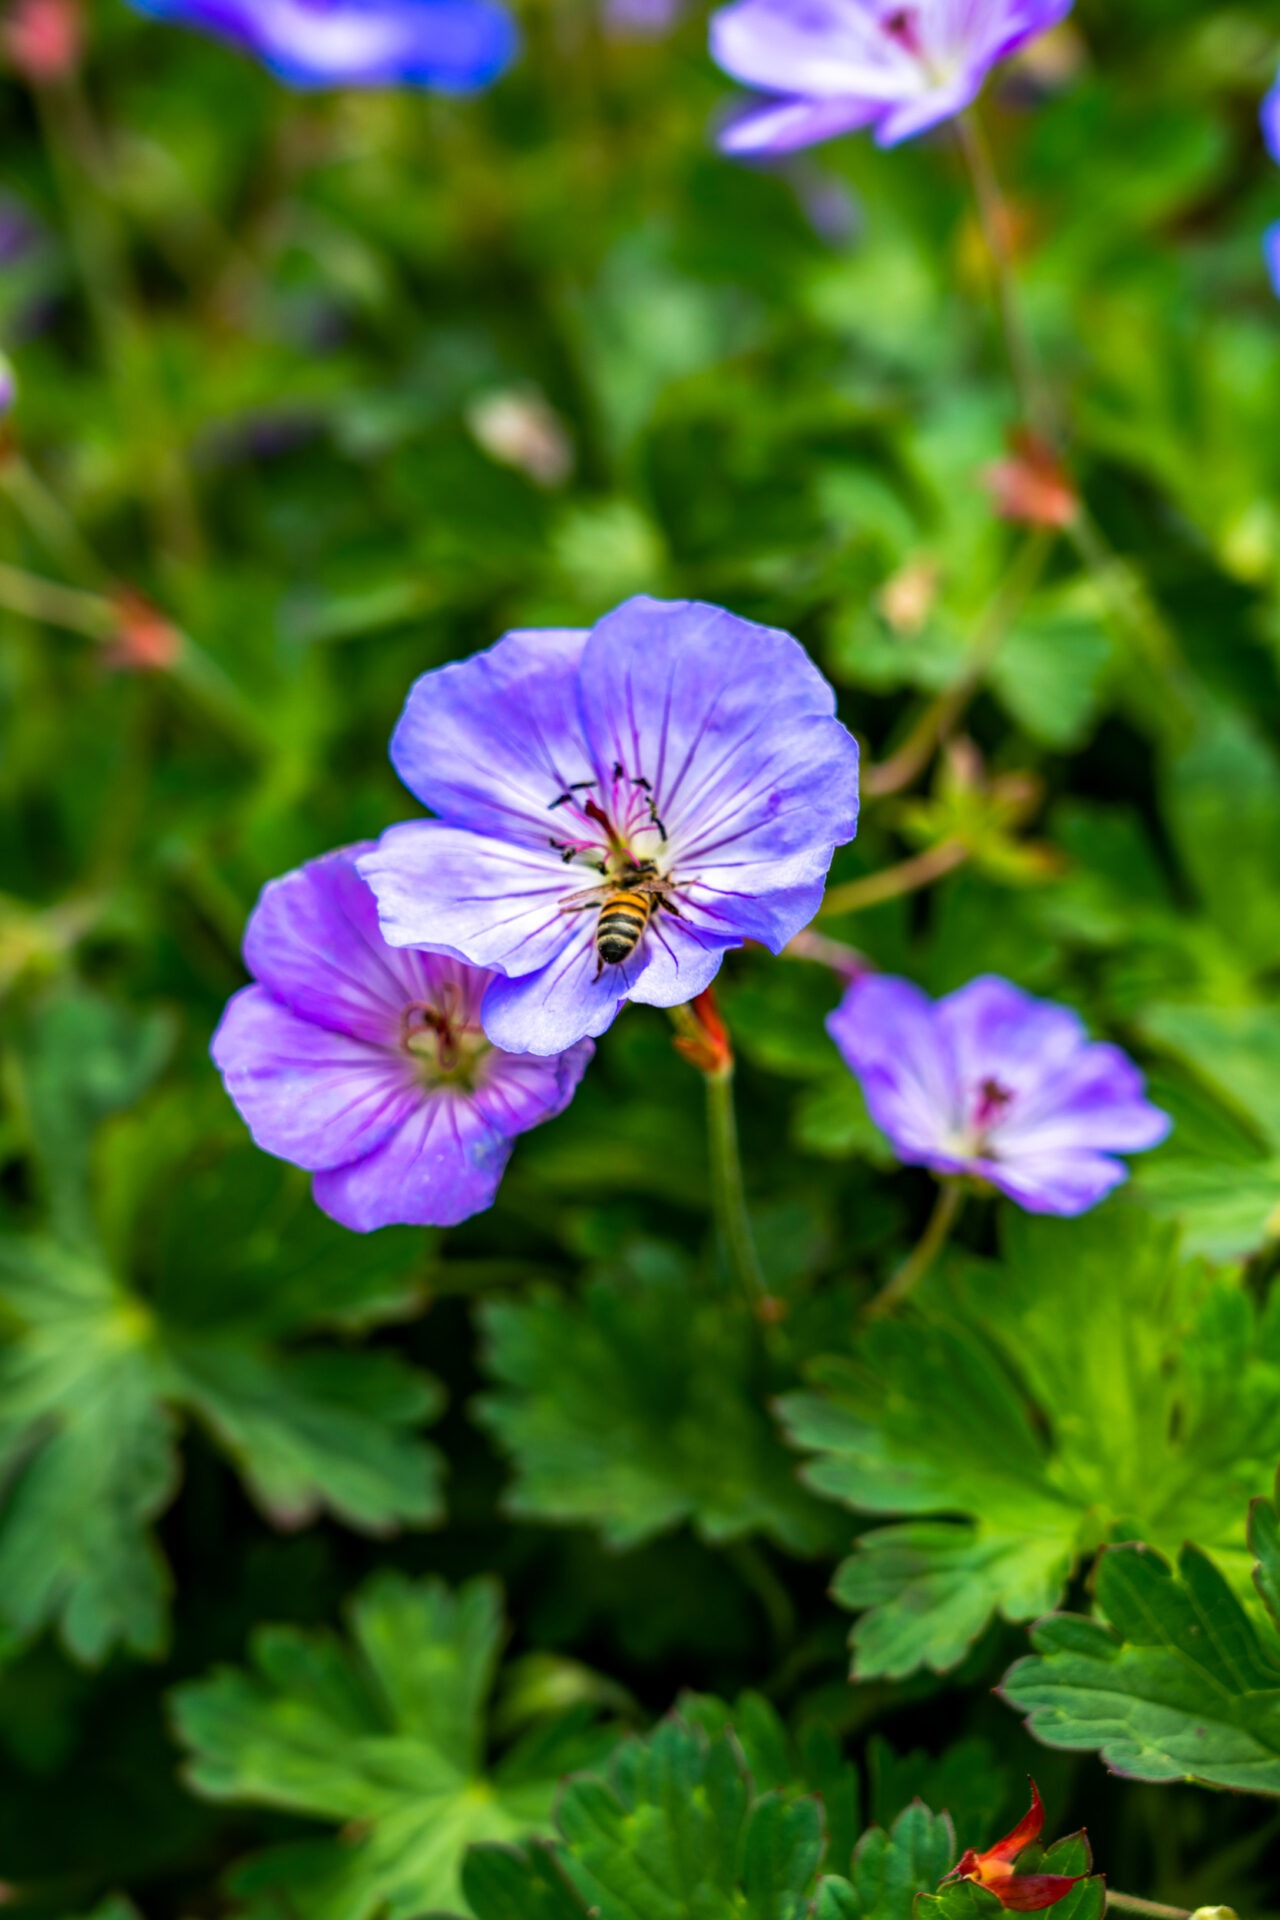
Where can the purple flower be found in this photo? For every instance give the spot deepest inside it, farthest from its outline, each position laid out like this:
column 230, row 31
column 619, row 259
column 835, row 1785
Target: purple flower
column 838, row 65
column 453, row 46
column 1271, row 134
column 675, row 755
column 994, row 1083
column 8, row 385
column 367, row 1064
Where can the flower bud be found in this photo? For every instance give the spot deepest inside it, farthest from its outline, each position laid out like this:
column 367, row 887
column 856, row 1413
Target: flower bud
column 43, row 39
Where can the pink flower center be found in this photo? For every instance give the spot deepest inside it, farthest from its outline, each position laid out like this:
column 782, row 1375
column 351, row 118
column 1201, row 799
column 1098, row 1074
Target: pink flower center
column 612, row 825
column 989, row 1108
column 903, row 27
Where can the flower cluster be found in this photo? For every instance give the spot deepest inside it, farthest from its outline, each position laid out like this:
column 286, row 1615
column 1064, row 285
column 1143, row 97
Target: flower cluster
column 614, row 810
column 834, row 66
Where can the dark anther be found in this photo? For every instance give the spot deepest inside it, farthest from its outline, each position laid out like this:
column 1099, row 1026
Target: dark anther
column 578, row 787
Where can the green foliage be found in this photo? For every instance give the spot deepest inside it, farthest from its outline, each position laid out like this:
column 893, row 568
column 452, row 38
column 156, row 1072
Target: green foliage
column 1089, row 1386
column 680, row 1826
column 260, row 339
column 1175, row 1682
column 96, row 1376
column 384, row 1736
column 637, row 1406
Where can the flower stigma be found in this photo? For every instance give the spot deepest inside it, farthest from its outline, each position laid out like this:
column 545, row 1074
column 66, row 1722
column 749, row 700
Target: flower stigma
column 448, row 1050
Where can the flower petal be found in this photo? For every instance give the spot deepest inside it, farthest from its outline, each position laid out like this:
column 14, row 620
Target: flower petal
column 453, row 45
column 1096, row 1101
column 1060, row 1183
column 483, row 900
column 755, row 780
column 441, row 1165
column 783, row 126
column 313, row 940
column 568, row 1001
column 521, row 1090
column 490, row 743
column 306, row 1093
column 995, row 1030
column 888, row 1033
column 821, row 49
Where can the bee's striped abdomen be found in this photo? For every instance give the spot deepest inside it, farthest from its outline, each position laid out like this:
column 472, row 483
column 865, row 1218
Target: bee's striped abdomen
column 623, row 918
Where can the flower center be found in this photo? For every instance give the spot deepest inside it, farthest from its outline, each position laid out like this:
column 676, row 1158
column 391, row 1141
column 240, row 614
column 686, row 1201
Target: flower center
column 987, row 1107
column 612, row 825
column 447, row 1050
column 903, row 27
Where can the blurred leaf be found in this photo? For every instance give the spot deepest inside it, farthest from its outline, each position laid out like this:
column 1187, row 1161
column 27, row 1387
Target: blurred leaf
column 384, row 1736
column 93, row 1382
column 82, row 1058
column 636, row 1407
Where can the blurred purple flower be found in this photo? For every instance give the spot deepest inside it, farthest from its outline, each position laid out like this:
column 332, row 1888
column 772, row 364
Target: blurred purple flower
column 838, row 65
column 994, row 1083
column 367, row 1065
column 8, row 385
column 1271, row 134
column 674, row 751
column 641, row 19
column 453, row 46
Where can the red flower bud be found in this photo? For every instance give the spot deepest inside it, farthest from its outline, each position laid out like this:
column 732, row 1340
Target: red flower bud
column 43, row 39
column 703, row 1039
column 144, row 640
column 994, row 1868
column 1031, row 486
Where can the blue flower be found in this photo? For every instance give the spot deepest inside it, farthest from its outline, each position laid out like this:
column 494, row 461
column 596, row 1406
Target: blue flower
column 366, row 1064
column 616, row 810
column 452, row 46
column 992, row 1083
column 833, row 66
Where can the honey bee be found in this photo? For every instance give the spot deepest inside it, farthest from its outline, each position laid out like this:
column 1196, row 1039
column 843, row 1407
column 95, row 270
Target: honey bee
column 626, row 906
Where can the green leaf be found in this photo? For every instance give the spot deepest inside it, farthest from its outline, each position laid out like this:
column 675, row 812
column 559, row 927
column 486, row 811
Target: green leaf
column 1223, row 799
column 678, row 1827
column 1178, row 1686
column 1089, row 1386
column 384, row 1736
column 638, row 1406
column 81, row 1058
column 891, row 1868
column 93, row 1383
column 1050, row 672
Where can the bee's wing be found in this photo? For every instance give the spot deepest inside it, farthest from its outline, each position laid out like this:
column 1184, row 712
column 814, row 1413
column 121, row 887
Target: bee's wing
column 579, row 902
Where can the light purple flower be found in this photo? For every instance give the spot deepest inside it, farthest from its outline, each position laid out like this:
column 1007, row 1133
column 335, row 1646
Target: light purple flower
column 838, row 65
column 367, row 1064
column 994, row 1083
column 1271, row 134
column 452, row 46
column 675, row 749
column 8, row 385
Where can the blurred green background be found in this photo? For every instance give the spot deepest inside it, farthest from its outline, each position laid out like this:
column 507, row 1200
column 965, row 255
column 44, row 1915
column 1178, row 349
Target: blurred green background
column 347, row 385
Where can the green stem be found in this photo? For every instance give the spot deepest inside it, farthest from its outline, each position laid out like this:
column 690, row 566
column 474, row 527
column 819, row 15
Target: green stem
column 934, row 1238
column 993, row 215
column 1150, row 1909
column 727, row 1191
column 80, row 163
column 944, row 714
